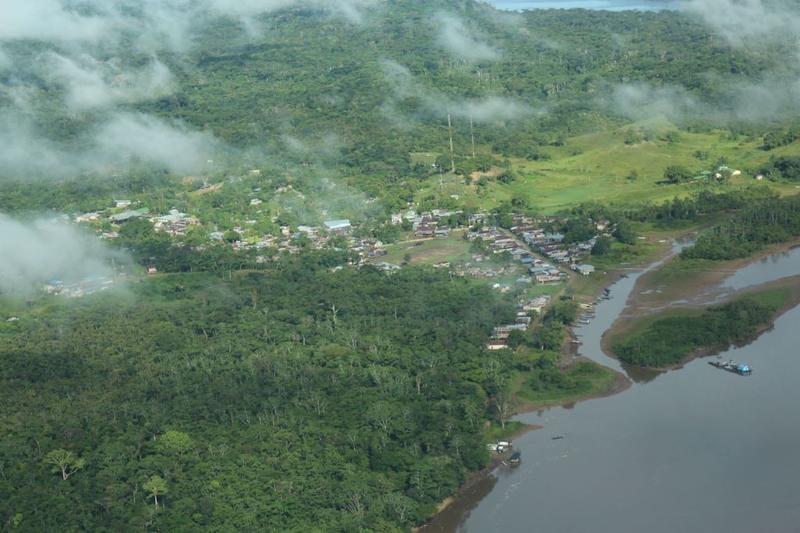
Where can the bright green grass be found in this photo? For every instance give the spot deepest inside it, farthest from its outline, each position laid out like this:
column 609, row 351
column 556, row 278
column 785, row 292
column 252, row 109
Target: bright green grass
column 772, row 298
column 595, row 167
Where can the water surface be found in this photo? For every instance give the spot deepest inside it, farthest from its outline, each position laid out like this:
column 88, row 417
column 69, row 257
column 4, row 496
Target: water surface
column 697, row 449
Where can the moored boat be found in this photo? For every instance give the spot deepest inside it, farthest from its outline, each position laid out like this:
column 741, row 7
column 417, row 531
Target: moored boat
column 742, row 369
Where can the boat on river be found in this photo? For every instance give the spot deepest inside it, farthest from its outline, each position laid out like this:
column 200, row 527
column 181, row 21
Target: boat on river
column 742, row 369
column 515, row 459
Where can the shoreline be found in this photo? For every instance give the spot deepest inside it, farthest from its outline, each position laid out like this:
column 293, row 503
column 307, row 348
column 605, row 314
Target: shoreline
column 708, row 292
column 624, row 381
column 620, row 384
column 477, row 476
column 790, row 283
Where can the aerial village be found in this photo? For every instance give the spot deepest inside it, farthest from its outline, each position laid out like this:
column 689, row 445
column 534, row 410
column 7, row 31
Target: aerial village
column 527, row 259
column 512, row 259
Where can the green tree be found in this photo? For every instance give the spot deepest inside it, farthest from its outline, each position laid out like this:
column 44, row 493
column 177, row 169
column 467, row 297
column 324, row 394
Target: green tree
column 624, row 233
column 602, row 246
column 174, row 443
column 156, row 486
column 64, row 462
column 677, row 174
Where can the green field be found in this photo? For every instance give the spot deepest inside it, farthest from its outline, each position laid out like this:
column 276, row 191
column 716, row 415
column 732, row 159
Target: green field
column 596, row 167
column 429, row 251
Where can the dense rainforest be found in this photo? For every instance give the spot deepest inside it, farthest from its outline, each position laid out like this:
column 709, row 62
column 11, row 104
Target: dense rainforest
column 299, row 393
column 759, row 224
column 362, row 97
column 292, row 399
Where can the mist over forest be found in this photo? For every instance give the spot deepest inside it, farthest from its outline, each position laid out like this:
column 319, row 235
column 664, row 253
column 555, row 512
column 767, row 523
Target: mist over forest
column 290, row 265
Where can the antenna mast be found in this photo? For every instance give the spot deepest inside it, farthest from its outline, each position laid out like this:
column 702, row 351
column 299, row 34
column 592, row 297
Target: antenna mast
column 452, row 157
column 472, row 134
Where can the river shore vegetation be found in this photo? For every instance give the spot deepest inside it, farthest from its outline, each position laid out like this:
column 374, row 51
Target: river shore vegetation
column 669, row 338
column 245, row 388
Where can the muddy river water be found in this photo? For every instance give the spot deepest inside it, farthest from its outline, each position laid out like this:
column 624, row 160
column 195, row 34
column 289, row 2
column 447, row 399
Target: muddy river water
column 693, row 450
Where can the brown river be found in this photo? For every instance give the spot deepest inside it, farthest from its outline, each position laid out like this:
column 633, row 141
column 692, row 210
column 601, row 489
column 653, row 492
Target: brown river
column 693, row 450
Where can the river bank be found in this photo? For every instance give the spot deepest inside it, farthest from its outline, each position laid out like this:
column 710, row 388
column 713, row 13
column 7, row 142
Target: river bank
column 467, row 489
column 479, row 483
column 779, row 296
column 504, row 500
column 658, row 290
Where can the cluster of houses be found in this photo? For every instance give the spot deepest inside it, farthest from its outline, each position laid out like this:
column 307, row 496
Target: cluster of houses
column 84, row 287
column 317, row 237
column 552, row 246
column 525, row 310
column 435, row 223
column 481, row 266
column 500, row 242
column 175, row 223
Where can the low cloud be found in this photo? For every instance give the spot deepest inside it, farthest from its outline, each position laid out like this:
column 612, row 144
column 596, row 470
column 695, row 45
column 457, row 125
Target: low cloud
column 747, row 22
column 93, row 84
column 435, row 103
column 168, row 22
column 5, row 60
column 460, row 41
column 491, row 109
column 735, row 101
column 52, row 21
column 154, row 141
column 123, row 139
column 40, row 250
column 642, row 100
column 350, row 10
column 751, row 25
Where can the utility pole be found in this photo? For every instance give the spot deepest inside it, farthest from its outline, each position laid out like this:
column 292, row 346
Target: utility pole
column 452, row 157
column 472, row 134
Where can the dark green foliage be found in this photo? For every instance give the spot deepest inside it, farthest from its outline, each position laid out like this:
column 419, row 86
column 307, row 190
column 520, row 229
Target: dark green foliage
column 759, row 224
column 295, row 399
column 782, row 168
column 668, row 341
column 624, row 233
column 602, row 246
column 774, row 139
column 549, row 379
column 578, row 229
column 506, row 177
column 697, row 206
column 677, row 174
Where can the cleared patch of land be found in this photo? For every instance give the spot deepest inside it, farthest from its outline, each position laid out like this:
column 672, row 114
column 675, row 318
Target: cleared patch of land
column 601, row 167
column 429, row 251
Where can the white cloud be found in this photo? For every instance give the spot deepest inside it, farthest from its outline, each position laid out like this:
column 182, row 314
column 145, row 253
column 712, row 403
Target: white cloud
column 49, row 20
column 123, row 138
column 484, row 109
column 351, row 10
column 5, row 60
column 747, row 22
column 152, row 140
column 43, row 249
column 461, row 42
column 94, row 84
